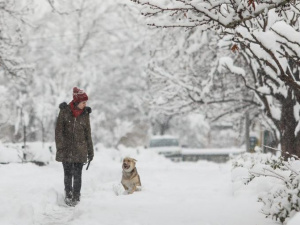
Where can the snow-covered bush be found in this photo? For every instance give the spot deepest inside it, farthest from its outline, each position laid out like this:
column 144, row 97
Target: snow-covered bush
column 8, row 155
column 280, row 180
column 35, row 152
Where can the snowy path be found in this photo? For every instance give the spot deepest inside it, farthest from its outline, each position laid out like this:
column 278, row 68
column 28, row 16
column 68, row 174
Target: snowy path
column 173, row 193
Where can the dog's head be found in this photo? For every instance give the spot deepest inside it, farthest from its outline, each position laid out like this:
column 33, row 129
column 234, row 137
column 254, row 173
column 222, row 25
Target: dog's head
column 128, row 164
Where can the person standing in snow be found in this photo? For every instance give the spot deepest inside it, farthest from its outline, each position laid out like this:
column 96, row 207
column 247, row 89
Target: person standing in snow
column 74, row 142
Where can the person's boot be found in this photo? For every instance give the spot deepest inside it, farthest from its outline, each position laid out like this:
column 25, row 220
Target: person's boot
column 76, row 198
column 68, row 198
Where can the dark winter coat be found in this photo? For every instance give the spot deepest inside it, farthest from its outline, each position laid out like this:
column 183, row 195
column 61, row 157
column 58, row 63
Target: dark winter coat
column 73, row 135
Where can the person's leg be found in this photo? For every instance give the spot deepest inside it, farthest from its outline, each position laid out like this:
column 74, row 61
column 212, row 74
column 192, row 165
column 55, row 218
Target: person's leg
column 77, row 181
column 68, row 178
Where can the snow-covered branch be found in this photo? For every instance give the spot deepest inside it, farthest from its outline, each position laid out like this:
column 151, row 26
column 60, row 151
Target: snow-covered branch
column 265, row 33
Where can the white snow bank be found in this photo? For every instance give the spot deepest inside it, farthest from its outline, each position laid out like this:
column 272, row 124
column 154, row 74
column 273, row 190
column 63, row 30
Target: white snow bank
column 38, row 152
column 8, row 155
column 34, row 152
column 295, row 220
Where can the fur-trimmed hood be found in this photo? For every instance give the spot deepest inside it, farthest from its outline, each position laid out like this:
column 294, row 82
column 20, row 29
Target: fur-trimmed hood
column 64, row 105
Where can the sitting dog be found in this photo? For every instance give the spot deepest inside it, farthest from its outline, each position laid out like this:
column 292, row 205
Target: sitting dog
column 130, row 179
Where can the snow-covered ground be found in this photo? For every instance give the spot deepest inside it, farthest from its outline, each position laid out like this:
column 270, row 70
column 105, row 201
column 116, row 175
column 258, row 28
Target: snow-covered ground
column 173, row 193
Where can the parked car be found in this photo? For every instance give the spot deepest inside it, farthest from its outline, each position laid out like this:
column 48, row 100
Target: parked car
column 166, row 145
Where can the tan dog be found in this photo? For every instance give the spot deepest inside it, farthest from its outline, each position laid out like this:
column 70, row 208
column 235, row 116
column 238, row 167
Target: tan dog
column 130, row 179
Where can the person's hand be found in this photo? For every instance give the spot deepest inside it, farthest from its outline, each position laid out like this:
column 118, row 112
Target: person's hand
column 90, row 157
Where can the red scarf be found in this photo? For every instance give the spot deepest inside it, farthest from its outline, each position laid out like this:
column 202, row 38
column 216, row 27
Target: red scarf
column 75, row 111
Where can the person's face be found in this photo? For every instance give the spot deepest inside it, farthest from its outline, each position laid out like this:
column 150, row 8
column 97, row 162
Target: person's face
column 81, row 105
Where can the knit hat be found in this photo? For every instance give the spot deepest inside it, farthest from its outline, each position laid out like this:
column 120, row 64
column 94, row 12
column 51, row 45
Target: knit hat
column 79, row 95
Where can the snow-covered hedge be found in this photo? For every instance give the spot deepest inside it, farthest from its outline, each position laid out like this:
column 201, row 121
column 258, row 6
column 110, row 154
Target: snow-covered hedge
column 277, row 182
column 8, row 155
column 35, row 152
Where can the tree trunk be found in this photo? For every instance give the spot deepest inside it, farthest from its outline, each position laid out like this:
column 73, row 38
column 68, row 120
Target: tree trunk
column 290, row 144
column 162, row 129
column 247, row 132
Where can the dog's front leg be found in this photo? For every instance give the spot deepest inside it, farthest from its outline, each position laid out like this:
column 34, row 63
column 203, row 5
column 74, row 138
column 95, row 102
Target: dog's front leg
column 125, row 187
column 133, row 189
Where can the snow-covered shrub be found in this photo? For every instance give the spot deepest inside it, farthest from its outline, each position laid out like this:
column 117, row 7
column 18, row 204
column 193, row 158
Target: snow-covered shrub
column 282, row 200
column 35, row 152
column 9, row 155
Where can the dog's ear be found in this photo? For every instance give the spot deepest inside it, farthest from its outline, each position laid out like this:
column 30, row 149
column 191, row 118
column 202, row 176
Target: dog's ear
column 134, row 160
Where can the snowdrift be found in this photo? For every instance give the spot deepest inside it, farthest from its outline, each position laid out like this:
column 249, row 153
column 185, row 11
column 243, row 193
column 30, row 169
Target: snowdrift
column 35, row 152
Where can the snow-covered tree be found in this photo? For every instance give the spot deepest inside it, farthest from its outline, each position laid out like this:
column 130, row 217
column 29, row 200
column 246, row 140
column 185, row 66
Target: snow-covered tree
column 15, row 72
column 187, row 76
column 13, row 18
column 98, row 46
column 266, row 35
